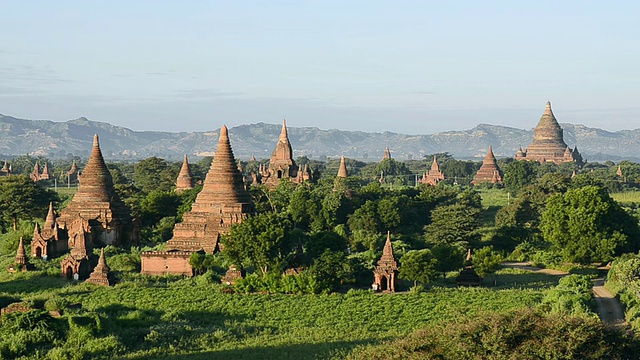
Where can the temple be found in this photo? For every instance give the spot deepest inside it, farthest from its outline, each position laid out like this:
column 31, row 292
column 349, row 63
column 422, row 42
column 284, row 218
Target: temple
column 184, row 180
column 73, row 173
column 548, row 144
column 282, row 165
column 222, row 202
column 95, row 216
column 489, row 172
column 100, row 274
column 384, row 275
column 50, row 240
column 434, row 175
column 342, row 169
column 36, row 175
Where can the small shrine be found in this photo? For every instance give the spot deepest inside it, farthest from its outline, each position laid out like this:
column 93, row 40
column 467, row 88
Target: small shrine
column 100, row 275
column 434, row 175
column 468, row 276
column 20, row 263
column 384, row 275
column 233, row 274
column 342, row 170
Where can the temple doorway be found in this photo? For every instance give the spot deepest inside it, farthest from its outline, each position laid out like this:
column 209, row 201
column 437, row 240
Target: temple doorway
column 383, row 283
column 68, row 273
column 38, row 252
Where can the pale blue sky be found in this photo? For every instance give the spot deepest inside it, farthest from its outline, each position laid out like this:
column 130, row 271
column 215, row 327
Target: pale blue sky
column 405, row 66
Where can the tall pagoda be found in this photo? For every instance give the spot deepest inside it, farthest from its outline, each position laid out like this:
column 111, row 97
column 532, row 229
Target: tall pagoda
column 384, row 274
column 548, row 144
column 222, row 202
column 489, row 171
column 434, row 175
column 342, row 169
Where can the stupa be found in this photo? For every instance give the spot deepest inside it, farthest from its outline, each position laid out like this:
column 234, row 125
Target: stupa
column 384, row 275
column 72, row 174
column 185, row 180
column 282, row 165
column 100, row 274
column 489, row 171
column 222, row 202
column 96, row 207
column 20, row 262
column 548, row 144
column 342, row 170
column 387, row 154
column 434, row 175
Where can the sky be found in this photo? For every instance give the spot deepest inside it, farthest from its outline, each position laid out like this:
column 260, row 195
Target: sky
column 414, row 67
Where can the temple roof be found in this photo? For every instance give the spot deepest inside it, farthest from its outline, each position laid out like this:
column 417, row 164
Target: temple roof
column 283, row 153
column 434, row 164
column 489, row 170
column 96, row 184
column 185, row 180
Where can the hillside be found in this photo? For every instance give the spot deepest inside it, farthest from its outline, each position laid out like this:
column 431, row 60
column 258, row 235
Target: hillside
column 56, row 139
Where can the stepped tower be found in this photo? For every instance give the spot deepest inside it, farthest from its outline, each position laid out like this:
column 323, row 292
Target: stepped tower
column 489, row 171
column 20, row 262
column 434, row 175
column 387, row 154
column 98, row 207
column 222, row 202
column 384, row 274
column 185, row 180
column 548, row 144
column 342, row 170
column 46, row 174
column 100, row 274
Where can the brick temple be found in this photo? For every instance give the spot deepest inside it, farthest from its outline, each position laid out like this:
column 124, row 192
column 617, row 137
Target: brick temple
column 282, row 165
column 185, row 179
column 434, row 175
column 489, row 172
column 386, row 271
column 548, row 144
column 222, row 202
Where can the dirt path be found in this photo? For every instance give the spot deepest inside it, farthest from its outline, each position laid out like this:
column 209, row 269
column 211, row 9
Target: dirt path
column 609, row 308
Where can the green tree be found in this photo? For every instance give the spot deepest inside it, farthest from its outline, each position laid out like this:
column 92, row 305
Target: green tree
column 263, row 240
column 155, row 174
column 585, row 225
column 21, row 198
column 518, row 174
column 455, row 224
column 418, row 265
column 486, row 261
column 326, row 240
column 448, row 257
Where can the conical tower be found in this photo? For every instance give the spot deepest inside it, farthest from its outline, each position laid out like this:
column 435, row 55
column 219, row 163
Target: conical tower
column 50, row 221
column 222, row 202
column 185, row 180
column 21, row 256
column 548, row 143
column 96, row 202
column 46, row 173
column 387, row 154
column 35, row 174
column 100, row 274
column 434, row 175
column 342, row 170
column 489, row 171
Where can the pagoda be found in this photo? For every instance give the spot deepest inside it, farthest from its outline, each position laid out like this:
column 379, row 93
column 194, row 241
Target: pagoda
column 548, row 144
column 384, row 275
column 50, row 240
column 96, row 208
column 76, row 265
column 434, row 175
column 282, row 165
column 222, row 202
column 489, row 171
column 387, row 154
column 20, row 262
column 72, row 174
column 342, row 169
column 100, row 274
column 185, row 180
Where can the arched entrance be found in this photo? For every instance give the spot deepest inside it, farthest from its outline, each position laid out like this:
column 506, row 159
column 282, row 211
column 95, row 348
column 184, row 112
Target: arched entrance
column 38, row 252
column 68, row 273
column 383, row 283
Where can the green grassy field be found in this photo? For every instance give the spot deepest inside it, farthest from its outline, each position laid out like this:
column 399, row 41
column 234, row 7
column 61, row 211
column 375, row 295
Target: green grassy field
column 627, row 197
column 195, row 319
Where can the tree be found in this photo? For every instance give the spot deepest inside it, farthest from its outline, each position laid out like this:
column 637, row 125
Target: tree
column 519, row 174
column 486, row 261
column 418, row 265
column 455, row 224
column 263, row 240
column 21, row 198
column 326, row 240
column 448, row 257
column 155, row 174
column 331, row 269
column 586, row 225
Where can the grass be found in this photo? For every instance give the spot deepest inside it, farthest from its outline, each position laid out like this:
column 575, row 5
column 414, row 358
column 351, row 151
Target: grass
column 194, row 319
column 495, row 197
column 627, row 197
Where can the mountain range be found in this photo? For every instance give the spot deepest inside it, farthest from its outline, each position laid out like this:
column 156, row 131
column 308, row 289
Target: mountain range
column 57, row 139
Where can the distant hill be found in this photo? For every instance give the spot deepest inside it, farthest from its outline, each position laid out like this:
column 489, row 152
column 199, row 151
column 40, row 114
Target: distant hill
column 57, row 139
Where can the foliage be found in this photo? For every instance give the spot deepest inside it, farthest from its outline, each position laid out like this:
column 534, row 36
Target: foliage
column 155, row 174
column 22, row 199
column 519, row 174
column 572, row 296
column 455, row 224
column 486, row 261
column 263, row 240
column 522, row 334
column 448, row 257
column 586, row 225
column 418, row 265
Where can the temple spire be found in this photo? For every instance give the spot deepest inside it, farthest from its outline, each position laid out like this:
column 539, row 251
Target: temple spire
column 51, row 217
column 387, row 251
column 100, row 274
column 185, row 180
column 284, row 135
column 21, row 256
column 342, row 170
